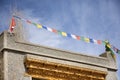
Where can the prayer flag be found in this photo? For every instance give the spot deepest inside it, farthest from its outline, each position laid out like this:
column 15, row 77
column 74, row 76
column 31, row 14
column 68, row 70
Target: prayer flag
column 34, row 24
column 64, row 33
column 49, row 29
column 30, row 22
column 82, row 38
column 99, row 41
column 108, row 48
column 39, row 26
column 73, row 36
column 103, row 42
column 115, row 49
column 54, row 30
column 118, row 51
column 12, row 25
column 44, row 27
column 69, row 35
column 87, row 40
column 91, row 40
column 95, row 41
column 78, row 37
column 59, row 32
column 108, row 45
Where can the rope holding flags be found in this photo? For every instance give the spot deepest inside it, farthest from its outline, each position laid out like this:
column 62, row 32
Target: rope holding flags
column 62, row 33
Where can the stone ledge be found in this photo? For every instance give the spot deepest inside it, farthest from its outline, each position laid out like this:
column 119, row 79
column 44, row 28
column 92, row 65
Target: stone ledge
column 11, row 43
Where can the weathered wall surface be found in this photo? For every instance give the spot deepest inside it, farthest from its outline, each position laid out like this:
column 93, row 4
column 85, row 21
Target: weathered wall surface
column 14, row 66
column 54, row 53
column 111, row 75
column 1, row 66
column 1, row 41
column 14, row 53
column 15, row 69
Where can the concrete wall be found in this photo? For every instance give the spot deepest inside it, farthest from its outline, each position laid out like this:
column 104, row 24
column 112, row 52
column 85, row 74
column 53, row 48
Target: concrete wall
column 14, row 66
column 15, row 51
column 1, row 66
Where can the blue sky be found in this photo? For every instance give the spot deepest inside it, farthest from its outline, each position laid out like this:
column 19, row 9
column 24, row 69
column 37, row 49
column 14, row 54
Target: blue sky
column 97, row 19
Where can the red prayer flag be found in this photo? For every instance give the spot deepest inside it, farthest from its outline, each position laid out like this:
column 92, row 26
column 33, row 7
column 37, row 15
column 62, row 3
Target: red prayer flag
column 29, row 21
column 78, row 37
column 53, row 30
column 12, row 24
column 99, row 41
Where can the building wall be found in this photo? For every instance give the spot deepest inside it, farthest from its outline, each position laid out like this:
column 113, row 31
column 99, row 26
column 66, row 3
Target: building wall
column 1, row 66
column 14, row 66
column 111, row 75
column 14, row 52
column 15, row 69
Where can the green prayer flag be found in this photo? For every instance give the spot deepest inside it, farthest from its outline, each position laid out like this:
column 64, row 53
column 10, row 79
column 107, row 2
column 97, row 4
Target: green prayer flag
column 103, row 42
column 118, row 51
column 82, row 38
column 59, row 32
column 34, row 24
column 109, row 49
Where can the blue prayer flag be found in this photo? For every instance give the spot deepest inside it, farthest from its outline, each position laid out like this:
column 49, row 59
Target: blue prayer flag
column 69, row 35
column 44, row 27
column 91, row 41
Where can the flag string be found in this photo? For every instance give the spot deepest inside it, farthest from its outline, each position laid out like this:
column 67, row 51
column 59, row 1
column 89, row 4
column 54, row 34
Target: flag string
column 62, row 33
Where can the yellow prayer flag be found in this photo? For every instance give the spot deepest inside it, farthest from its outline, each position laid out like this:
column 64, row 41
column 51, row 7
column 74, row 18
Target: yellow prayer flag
column 108, row 45
column 87, row 39
column 39, row 26
column 64, row 33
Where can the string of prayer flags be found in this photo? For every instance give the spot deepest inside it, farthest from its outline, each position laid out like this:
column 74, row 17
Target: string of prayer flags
column 108, row 48
column 111, row 47
column 115, row 49
column 62, row 33
column 12, row 25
